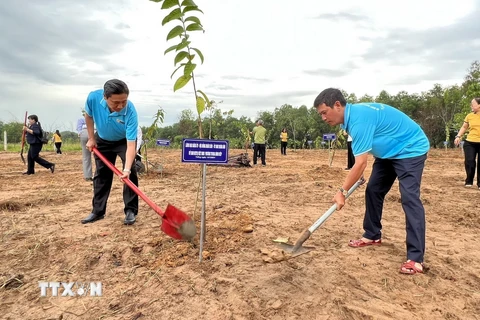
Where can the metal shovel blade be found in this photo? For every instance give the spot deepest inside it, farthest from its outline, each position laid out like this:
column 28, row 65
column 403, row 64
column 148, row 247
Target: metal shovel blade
column 297, row 249
column 294, row 252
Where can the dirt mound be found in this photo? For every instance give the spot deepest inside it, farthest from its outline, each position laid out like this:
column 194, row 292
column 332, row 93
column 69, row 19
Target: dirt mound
column 9, row 205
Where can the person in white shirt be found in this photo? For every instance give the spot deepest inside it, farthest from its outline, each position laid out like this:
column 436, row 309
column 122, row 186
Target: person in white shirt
column 140, row 167
column 139, row 139
column 86, row 154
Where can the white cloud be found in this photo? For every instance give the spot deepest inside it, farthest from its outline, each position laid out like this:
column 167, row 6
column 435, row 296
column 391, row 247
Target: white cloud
column 258, row 54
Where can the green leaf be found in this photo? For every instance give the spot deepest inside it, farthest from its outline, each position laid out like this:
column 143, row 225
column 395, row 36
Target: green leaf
column 174, row 15
column 194, row 27
column 193, row 19
column 200, row 54
column 186, row 3
column 170, row 3
column 200, row 105
column 189, row 67
column 175, row 32
column 171, row 48
column 181, row 82
column 191, row 8
column 204, row 96
column 180, row 56
column 156, row 0
column 183, row 44
column 181, row 65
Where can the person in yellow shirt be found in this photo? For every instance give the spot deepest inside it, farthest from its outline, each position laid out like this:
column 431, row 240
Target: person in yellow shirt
column 259, row 133
column 57, row 140
column 471, row 146
column 284, row 141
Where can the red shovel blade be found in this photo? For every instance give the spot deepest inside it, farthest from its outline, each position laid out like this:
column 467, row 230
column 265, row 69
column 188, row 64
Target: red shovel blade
column 177, row 224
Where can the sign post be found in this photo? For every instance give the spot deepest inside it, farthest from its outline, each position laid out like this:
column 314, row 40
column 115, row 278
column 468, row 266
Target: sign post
column 204, row 151
column 330, row 137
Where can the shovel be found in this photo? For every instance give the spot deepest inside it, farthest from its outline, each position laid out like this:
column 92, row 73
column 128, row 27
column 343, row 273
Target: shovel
column 175, row 223
column 23, row 138
column 297, row 248
column 156, row 167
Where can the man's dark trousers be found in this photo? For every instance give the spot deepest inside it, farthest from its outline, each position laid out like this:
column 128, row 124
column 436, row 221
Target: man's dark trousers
column 33, row 156
column 102, row 182
column 472, row 151
column 259, row 148
column 409, row 172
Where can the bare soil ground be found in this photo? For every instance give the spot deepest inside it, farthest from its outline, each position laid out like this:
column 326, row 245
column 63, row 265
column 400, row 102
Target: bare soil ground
column 147, row 275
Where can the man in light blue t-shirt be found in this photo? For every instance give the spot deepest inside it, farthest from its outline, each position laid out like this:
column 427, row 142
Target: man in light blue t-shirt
column 400, row 149
column 116, row 122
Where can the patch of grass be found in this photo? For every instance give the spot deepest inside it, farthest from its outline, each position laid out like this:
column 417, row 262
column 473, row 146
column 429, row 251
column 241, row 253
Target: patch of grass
column 66, row 146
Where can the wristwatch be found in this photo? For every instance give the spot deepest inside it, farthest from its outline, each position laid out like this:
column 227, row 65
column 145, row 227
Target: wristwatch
column 343, row 191
column 457, row 137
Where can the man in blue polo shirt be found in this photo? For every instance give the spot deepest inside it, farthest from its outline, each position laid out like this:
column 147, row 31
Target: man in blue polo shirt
column 400, row 149
column 116, row 122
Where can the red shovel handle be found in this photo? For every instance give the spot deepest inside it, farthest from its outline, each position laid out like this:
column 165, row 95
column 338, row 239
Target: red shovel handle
column 129, row 183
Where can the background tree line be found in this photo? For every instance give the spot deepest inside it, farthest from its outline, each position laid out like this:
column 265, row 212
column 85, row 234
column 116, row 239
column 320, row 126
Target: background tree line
column 439, row 111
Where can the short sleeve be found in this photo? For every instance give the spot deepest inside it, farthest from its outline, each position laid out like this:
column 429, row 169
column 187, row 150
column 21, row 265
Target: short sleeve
column 89, row 105
column 131, row 122
column 362, row 138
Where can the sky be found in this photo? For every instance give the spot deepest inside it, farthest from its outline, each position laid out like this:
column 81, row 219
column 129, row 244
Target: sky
column 259, row 55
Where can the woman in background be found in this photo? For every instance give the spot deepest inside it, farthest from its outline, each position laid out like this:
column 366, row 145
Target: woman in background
column 33, row 134
column 57, row 140
column 471, row 146
column 284, row 141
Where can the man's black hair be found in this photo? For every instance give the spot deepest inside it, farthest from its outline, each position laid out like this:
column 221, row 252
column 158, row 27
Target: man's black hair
column 115, row 86
column 329, row 97
column 478, row 100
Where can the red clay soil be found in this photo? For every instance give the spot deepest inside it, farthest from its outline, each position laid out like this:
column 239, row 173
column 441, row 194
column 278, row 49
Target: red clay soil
column 146, row 275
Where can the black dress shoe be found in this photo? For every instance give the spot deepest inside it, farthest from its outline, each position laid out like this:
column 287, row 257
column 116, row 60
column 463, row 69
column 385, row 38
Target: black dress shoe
column 92, row 218
column 129, row 218
column 27, row 173
column 52, row 168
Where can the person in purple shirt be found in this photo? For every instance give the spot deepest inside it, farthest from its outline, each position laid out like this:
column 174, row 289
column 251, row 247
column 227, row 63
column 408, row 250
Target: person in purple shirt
column 86, row 154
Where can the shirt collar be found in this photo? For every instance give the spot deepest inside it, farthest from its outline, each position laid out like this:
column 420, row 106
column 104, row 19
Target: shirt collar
column 346, row 117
